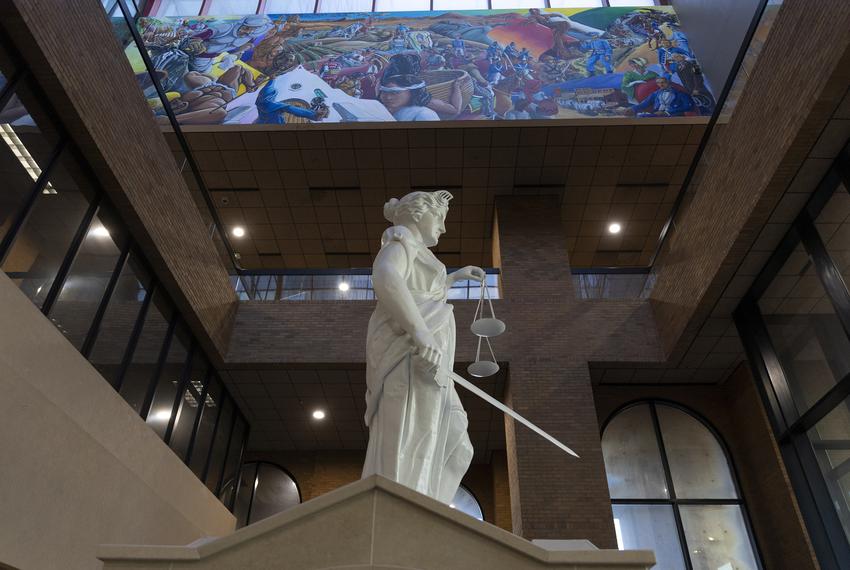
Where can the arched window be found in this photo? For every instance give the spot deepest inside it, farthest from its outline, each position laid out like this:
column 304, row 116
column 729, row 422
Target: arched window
column 673, row 490
column 466, row 502
column 265, row 489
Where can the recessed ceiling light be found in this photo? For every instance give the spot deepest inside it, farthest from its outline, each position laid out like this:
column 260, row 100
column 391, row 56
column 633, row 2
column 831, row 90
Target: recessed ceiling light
column 318, row 415
column 238, row 231
column 99, row 231
column 614, row 228
column 344, row 286
column 161, row 416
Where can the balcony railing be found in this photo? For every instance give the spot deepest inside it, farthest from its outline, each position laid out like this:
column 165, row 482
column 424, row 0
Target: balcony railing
column 337, row 287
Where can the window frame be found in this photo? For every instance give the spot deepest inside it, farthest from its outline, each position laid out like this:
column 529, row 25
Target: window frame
column 153, row 7
column 672, row 500
column 256, row 463
column 790, row 425
column 64, row 148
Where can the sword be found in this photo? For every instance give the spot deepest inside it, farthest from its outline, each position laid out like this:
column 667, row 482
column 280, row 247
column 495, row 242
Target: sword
column 494, row 402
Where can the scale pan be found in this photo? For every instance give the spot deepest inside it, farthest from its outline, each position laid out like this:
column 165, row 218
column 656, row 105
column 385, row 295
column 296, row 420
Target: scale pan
column 482, row 369
column 488, row 327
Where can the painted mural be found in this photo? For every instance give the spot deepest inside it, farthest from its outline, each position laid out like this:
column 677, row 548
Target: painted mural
column 424, row 66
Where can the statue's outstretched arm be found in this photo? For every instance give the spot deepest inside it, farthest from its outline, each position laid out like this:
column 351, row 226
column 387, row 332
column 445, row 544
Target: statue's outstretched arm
column 394, row 296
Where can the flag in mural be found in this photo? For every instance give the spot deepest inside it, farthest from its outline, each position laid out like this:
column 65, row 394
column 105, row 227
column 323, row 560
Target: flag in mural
column 423, row 66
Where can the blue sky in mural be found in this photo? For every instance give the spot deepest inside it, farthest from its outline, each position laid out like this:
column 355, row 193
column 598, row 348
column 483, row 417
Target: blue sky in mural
column 424, row 66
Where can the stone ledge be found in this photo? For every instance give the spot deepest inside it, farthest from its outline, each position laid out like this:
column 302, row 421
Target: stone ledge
column 358, row 526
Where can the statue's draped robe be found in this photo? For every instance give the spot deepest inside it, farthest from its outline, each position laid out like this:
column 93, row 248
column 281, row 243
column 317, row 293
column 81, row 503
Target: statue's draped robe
column 417, row 425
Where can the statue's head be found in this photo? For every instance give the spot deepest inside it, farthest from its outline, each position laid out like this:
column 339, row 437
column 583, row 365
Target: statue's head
column 425, row 210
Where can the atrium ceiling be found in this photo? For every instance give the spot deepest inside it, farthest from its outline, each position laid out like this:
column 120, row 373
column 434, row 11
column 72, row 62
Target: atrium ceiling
column 313, row 199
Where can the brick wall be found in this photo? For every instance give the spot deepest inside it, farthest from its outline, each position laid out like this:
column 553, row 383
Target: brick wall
column 735, row 410
column 100, row 104
column 750, row 162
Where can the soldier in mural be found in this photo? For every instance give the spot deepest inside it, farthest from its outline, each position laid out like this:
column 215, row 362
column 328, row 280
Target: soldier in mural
column 481, row 65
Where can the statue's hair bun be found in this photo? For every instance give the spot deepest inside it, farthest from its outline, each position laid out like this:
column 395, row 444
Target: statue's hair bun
column 390, row 209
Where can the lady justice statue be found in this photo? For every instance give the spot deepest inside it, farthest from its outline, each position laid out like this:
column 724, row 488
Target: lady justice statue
column 417, row 425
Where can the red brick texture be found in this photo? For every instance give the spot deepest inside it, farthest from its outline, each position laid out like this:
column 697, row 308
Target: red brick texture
column 750, row 162
column 735, row 410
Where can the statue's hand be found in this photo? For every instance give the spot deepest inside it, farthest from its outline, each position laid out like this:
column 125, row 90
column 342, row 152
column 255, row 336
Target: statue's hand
column 427, row 348
column 469, row 273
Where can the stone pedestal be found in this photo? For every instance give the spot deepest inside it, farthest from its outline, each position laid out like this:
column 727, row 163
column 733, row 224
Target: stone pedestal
column 371, row 524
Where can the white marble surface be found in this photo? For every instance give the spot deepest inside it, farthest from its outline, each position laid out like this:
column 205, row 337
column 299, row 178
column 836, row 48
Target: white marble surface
column 372, row 523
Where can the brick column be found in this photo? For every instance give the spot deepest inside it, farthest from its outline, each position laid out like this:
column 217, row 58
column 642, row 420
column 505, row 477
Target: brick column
column 553, row 495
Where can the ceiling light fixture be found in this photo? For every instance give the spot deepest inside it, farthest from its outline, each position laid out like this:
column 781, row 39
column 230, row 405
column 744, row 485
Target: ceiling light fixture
column 238, row 231
column 318, row 415
column 16, row 145
column 614, row 228
column 344, row 286
column 99, row 231
column 161, row 416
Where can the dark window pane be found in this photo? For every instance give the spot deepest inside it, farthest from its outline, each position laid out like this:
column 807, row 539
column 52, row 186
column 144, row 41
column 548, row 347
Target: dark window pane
column 86, row 283
column 119, row 319
column 142, row 368
column 232, row 464
column 243, row 499
column 805, row 330
column 41, row 245
column 219, row 450
column 276, row 491
column 830, row 439
column 168, row 382
column 833, row 224
column 189, row 405
column 204, row 438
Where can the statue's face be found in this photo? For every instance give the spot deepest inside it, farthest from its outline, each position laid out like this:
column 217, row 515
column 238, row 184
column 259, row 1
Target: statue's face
column 432, row 225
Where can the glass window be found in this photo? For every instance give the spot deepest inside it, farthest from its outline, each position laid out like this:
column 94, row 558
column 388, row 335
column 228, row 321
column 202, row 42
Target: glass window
column 206, row 427
column 265, row 490
column 465, row 502
column 330, row 6
column 460, row 4
column 669, row 477
column 232, row 7
column 247, row 484
column 121, row 314
column 43, row 242
column 805, row 330
column 402, row 5
column 510, row 4
column 82, row 292
column 830, row 440
column 178, row 8
column 632, row 459
column 24, row 151
column 616, row 3
column 232, row 463
column 168, row 382
column 833, row 224
column 141, row 371
column 219, row 450
column 189, row 405
column 698, row 464
column 651, row 527
column 717, row 537
column 578, row 3
column 290, row 6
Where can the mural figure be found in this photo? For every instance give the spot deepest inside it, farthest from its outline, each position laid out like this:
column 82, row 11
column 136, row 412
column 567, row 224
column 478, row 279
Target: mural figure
column 416, row 66
column 417, row 424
